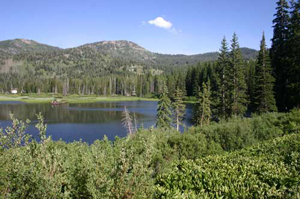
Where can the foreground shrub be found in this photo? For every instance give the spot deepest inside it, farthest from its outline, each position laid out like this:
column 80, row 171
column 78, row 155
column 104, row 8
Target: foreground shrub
column 238, row 133
column 268, row 170
column 157, row 162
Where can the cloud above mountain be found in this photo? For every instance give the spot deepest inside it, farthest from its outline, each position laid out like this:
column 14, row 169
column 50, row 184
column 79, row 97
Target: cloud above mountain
column 161, row 23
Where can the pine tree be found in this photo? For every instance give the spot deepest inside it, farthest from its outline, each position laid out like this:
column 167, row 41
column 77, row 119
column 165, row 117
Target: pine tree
column 293, row 83
column 171, row 85
column 237, row 88
column 196, row 80
column 181, row 84
column 189, row 82
column 202, row 113
column 250, row 80
column 164, row 113
column 221, row 72
column 264, row 95
column 279, row 52
column 179, row 108
column 215, row 92
column 127, row 121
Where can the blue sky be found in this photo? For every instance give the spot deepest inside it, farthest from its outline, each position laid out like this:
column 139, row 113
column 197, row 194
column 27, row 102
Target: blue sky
column 181, row 26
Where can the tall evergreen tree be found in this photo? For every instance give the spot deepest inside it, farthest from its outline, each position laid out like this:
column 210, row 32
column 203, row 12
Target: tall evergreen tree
column 179, row 108
column 164, row 112
column 221, row 72
column 264, row 95
column 279, row 52
column 196, row 80
column 293, row 85
column 237, row 88
column 215, row 95
column 202, row 113
column 250, row 80
column 181, row 84
column 189, row 82
column 171, row 82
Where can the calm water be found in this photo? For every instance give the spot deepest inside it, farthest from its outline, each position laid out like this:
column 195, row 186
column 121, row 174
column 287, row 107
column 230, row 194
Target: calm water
column 87, row 122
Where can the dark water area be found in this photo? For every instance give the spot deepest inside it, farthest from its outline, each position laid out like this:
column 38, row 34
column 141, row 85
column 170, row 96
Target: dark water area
column 87, row 122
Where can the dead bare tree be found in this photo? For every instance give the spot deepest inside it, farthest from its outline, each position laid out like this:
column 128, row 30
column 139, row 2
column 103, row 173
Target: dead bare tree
column 127, row 121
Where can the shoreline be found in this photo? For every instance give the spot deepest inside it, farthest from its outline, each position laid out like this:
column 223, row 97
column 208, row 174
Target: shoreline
column 71, row 99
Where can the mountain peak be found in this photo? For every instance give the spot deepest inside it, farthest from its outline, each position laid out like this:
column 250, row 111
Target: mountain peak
column 17, row 46
column 26, row 41
column 115, row 45
column 121, row 49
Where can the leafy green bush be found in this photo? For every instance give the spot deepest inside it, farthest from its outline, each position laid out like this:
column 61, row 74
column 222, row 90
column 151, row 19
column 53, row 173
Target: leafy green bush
column 268, row 170
column 14, row 136
column 237, row 133
column 157, row 162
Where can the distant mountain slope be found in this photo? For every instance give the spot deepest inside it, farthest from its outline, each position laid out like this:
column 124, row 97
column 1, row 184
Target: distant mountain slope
column 105, row 57
column 179, row 60
column 18, row 46
column 249, row 53
column 119, row 48
column 129, row 51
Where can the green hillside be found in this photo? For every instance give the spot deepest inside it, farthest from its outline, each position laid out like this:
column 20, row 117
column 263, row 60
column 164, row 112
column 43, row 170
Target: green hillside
column 108, row 56
column 18, row 46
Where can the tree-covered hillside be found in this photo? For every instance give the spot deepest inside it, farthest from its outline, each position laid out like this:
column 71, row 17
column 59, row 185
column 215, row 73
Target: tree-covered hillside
column 18, row 46
column 118, row 54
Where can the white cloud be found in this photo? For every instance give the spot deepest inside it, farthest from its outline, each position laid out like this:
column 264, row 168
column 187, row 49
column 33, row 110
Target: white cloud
column 161, row 22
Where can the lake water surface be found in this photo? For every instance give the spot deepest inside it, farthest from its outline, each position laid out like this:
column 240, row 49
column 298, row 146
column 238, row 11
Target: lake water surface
column 87, row 122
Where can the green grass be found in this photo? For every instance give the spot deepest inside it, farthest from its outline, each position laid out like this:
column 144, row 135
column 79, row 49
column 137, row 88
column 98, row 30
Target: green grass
column 47, row 98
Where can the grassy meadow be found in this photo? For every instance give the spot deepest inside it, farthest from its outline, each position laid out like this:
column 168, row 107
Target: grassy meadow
column 47, row 98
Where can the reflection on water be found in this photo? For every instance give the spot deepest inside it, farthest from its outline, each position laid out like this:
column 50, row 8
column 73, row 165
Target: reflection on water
column 87, row 122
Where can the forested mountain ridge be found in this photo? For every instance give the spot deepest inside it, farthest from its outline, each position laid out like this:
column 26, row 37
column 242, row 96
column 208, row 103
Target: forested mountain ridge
column 18, row 46
column 104, row 68
column 120, row 49
column 117, row 54
column 128, row 50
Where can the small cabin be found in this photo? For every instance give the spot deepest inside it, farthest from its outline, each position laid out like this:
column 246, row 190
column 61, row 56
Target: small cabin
column 133, row 93
column 14, row 91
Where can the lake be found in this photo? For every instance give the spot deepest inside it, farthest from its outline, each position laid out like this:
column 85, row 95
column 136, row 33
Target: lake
column 87, row 122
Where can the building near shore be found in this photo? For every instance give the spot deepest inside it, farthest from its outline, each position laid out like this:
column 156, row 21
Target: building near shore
column 14, row 91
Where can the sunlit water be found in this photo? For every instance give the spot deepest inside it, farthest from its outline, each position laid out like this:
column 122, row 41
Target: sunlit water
column 87, row 122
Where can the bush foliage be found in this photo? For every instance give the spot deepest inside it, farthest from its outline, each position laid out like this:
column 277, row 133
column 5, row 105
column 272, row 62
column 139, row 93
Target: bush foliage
column 202, row 162
column 268, row 170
